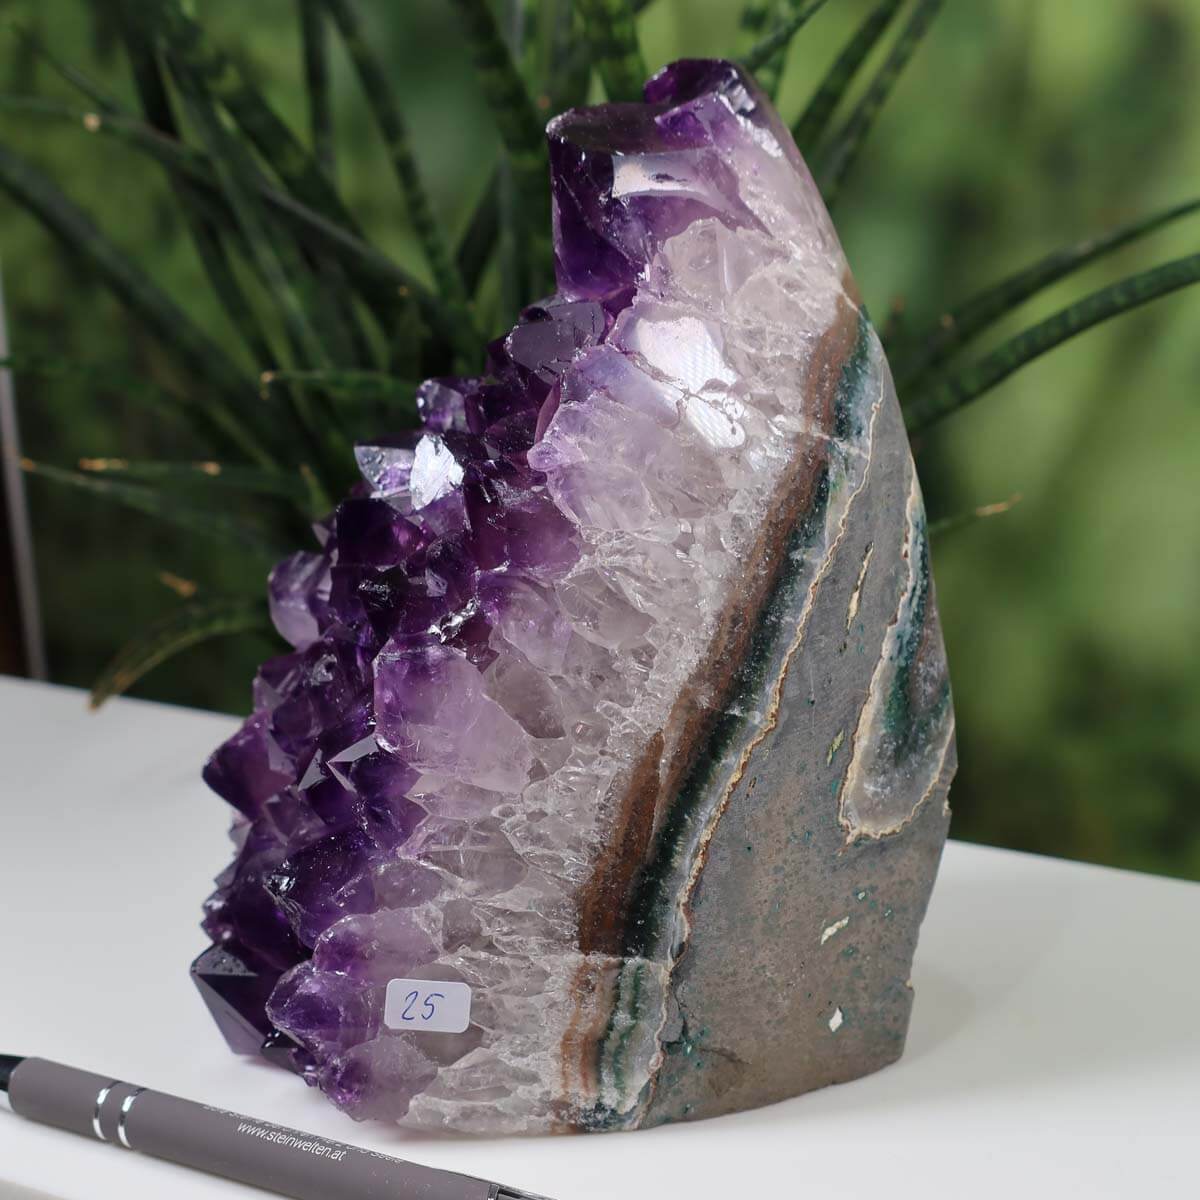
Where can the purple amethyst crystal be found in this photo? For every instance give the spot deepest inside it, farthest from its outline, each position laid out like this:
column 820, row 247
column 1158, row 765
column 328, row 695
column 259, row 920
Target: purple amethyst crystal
column 616, row 687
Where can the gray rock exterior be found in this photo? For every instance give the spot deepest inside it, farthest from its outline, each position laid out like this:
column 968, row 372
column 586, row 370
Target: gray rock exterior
column 796, row 930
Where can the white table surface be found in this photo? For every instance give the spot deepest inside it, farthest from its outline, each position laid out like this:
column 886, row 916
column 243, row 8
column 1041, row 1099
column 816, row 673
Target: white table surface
column 1055, row 1043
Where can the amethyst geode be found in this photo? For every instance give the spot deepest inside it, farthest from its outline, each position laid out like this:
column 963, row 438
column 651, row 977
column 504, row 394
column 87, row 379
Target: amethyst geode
column 618, row 692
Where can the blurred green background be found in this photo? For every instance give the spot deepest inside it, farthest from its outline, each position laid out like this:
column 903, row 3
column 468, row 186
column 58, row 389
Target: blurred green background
column 1073, row 621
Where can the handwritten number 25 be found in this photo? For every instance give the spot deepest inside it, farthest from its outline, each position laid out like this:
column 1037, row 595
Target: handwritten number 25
column 428, row 1009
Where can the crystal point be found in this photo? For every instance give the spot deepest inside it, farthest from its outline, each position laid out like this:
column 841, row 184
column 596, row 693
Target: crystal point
column 236, row 988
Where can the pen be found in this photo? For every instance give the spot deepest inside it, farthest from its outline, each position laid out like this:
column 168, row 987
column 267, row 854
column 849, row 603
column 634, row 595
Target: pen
column 300, row 1165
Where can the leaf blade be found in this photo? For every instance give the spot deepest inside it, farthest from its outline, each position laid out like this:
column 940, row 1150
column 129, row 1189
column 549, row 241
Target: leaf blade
column 187, row 626
column 300, row 171
column 955, row 392
column 846, row 145
column 206, row 236
column 144, row 299
column 517, row 204
column 195, row 69
column 365, row 401
column 780, row 38
column 224, row 84
column 478, row 240
column 201, row 475
column 500, row 81
column 612, row 35
column 382, row 102
column 346, row 382
column 79, row 81
column 377, row 276
column 972, row 516
column 965, row 322
column 568, row 64
column 315, row 44
column 218, row 524
column 814, row 121
column 45, row 366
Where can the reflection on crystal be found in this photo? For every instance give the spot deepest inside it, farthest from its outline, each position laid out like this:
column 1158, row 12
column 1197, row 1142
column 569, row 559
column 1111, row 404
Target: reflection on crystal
column 236, row 989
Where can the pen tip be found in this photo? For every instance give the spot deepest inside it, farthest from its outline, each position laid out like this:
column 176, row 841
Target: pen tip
column 8, row 1064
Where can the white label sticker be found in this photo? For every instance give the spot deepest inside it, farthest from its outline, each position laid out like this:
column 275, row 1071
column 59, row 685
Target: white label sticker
column 427, row 1004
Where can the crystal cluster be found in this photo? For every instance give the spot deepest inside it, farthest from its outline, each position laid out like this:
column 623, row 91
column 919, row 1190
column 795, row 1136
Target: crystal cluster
column 611, row 685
